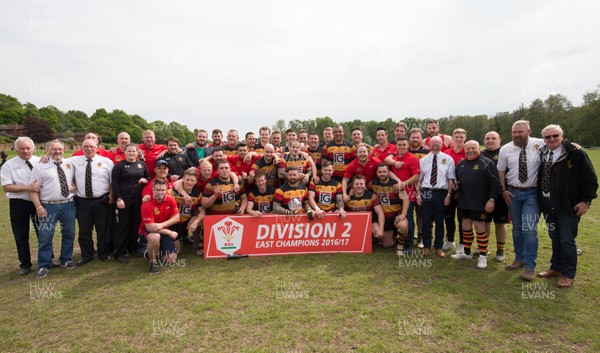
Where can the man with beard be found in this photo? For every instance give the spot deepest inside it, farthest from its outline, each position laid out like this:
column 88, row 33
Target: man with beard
column 479, row 188
column 338, row 152
column 302, row 162
column 178, row 162
column 433, row 129
column 268, row 164
column 260, row 199
column 220, row 195
column 500, row 214
column 156, row 239
column 325, row 195
column 314, row 150
column 363, row 200
column 217, row 138
column 518, row 164
column 395, row 207
column 415, row 148
column 200, row 149
column 292, row 196
column 407, row 168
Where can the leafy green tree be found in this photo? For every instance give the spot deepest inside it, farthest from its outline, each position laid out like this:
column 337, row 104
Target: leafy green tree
column 11, row 110
column 52, row 115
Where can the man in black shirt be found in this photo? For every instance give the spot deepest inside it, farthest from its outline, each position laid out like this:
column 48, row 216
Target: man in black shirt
column 178, row 162
column 492, row 143
column 480, row 188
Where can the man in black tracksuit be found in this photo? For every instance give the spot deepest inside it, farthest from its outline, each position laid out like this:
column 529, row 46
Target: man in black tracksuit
column 567, row 183
column 479, row 187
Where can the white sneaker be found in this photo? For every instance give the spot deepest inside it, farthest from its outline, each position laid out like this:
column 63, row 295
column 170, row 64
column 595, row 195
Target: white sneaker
column 460, row 248
column 420, row 244
column 499, row 256
column 461, row 256
column 482, row 261
column 448, row 245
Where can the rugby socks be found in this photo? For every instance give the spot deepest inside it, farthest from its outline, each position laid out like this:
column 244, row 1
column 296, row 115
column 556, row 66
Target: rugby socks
column 467, row 240
column 400, row 240
column 482, row 243
column 500, row 246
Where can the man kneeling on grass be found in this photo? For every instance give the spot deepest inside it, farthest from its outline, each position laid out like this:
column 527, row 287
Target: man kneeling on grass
column 158, row 215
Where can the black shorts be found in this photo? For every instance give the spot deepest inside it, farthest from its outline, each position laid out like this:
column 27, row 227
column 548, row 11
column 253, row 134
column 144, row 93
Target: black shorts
column 479, row 216
column 389, row 225
column 500, row 213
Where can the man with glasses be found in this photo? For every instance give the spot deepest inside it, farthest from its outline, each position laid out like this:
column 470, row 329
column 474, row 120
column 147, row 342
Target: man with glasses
column 567, row 183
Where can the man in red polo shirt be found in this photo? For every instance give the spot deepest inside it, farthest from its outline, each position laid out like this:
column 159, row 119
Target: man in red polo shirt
column 150, row 150
column 407, row 167
column 158, row 215
column 383, row 147
column 363, row 165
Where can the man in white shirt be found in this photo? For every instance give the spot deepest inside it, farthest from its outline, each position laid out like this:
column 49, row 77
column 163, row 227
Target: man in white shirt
column 93, row 180
column 518, row 164
column 434, row 192
column 54, row 203
column 15, row 182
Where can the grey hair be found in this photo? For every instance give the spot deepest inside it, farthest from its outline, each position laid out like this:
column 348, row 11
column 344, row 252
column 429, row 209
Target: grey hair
column 21, row 139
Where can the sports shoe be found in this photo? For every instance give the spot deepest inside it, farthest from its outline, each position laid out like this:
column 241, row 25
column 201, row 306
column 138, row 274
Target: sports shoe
column 460, row 248
column 499, row 256
column 579, row 251
column 448, row 245
column 420, row 244
column 461, row 256
column 69, row 265
column 154, row 268
column 482, row 261
column 41, row 273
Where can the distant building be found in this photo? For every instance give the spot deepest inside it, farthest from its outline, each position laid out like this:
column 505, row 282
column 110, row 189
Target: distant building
column 12, row 130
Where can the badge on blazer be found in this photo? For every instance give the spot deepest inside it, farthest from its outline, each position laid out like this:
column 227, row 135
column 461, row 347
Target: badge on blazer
column 99, row 164
column 476, row 167
column 444, row 161
column 180, row 159
column 536, row 147
column 68, row 166
column 140, row 166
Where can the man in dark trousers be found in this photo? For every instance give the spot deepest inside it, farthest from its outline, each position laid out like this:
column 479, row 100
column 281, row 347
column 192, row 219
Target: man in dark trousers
column 567, row 183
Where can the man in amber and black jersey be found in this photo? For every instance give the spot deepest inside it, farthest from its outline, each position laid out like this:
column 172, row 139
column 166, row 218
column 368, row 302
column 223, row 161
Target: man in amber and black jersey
column 338, row 152
column 190, row 213
column 260, row 199
column 220, row 196
column 314, row 150
column 395, row 207
column 363, row 200
column 268, row 164
column 325, row 195
column 292, row 196
column 294, row 159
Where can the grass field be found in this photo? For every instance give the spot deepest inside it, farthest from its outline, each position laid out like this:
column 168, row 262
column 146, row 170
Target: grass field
column 311, row 303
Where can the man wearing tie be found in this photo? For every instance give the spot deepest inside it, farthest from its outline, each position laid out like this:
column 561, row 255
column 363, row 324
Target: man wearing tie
column 15, row 182
column 518, row 164
column 93, row 181
column 567, row 183
column 54, row 202
column 434, row 192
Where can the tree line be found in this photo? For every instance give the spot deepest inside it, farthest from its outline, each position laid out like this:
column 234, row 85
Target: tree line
column 580, row 123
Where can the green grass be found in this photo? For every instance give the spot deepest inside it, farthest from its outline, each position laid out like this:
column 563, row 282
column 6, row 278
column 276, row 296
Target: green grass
column 339, row 303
